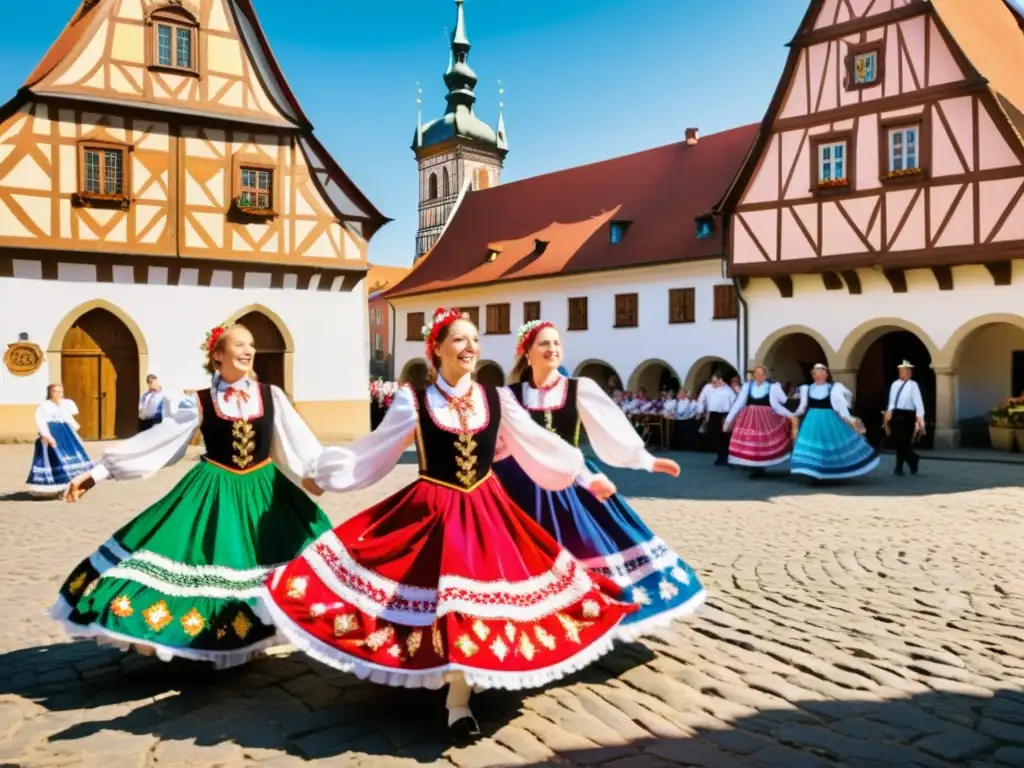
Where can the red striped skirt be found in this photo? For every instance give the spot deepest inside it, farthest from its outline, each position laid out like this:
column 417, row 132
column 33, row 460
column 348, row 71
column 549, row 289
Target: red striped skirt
column 760, row 438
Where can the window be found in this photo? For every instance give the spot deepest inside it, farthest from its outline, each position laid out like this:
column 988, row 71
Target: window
column 705, row 226
column 174, row 39
column 832, row 162
column 414, row 323
column 865, row 64
column 578, row 314
column 473, row 313
column 681, row 305
column 865, row 68
column 499, row 318
column 102, row 171
column 255, row 189
column 481, row 178
column 626, row 310
column 378, row 342
column 445, row 185
column 904, row 150
column 432, row 187
column 531, row 311
column 725, row 303
column 617, row 231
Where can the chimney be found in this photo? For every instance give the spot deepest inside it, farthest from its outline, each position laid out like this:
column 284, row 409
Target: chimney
column 691, row 137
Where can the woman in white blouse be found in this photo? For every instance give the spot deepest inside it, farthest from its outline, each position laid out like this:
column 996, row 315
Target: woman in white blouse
column 760, row 424
column 59, row 454
column 184, row 577
column 607, row 535
column 448, row 581
column 830, row 443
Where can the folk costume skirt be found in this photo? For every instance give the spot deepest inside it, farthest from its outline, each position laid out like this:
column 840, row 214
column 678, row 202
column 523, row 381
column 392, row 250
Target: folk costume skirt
column 54, row 468
column 438, row 580
column 184, row 577
column 760, row 438
column 827, row 448
column 612, row 541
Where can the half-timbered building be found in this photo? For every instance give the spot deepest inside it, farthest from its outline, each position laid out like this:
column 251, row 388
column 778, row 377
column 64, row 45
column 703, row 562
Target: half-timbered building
column 880, row 214
column 158, row 177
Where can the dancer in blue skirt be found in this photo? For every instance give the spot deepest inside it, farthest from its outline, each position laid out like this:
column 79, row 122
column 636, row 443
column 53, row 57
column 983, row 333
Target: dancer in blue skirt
column 829, row 444
column 608, row 537
column 59, row 454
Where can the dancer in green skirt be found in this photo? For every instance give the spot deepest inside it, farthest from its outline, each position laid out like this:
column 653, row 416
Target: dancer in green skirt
column 183, row 578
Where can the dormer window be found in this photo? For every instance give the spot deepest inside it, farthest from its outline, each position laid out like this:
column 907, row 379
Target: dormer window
column 617, row 231
column 492, row 255
column 539, row 246
column 705, row 227
column 174, row 41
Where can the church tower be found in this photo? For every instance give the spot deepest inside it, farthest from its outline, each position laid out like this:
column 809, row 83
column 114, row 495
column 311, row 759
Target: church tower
column 456, row 146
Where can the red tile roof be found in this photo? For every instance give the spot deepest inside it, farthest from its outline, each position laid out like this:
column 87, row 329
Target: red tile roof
column 659, row 191
column 67, row 40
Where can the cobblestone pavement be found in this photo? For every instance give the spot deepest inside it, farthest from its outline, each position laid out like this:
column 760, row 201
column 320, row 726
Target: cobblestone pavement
column 879, row 623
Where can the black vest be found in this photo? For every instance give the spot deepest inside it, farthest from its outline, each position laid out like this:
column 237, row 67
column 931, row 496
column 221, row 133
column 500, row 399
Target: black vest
column 453, row 459
column 563, row 419
column 236, row 443
column 820, row 402
column 766, row 400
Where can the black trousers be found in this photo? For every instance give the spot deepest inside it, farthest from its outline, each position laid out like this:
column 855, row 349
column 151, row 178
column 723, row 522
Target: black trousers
column 719, row 438
column 902, row 426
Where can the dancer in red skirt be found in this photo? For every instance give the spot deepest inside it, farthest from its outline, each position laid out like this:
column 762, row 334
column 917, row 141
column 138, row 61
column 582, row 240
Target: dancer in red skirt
column 761, row 425
column 447, row 581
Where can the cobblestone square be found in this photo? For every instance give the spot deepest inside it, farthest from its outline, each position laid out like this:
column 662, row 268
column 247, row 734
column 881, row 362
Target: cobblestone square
column 877, row 623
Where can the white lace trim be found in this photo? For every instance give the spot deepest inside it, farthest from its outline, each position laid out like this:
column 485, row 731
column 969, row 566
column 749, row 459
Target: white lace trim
column 616, row 563
column 177, row 590
column 627, row 633
column 438, row 676
column 183, row 569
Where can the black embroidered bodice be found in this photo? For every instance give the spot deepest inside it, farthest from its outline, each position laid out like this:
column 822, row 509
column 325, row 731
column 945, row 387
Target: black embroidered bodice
column 460, row 460
column 237, row 444
column 820, row 402
column 561, row 418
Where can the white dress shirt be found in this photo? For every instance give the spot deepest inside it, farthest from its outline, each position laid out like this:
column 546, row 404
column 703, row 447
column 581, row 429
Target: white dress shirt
column 50, row 412
column 716, row 399
column 906, row 396
column 150, row 404
column 839, row 398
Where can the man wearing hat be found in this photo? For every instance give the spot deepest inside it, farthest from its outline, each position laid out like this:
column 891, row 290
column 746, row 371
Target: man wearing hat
column 904, row 418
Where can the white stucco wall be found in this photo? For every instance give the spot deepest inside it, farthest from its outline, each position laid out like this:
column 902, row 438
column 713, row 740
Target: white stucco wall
column 624, row 349
column 328, row 329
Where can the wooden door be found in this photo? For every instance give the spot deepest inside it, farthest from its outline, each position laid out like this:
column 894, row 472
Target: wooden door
column 270, row 348
column 269, row 367
column 100, row 372
column 80, row 375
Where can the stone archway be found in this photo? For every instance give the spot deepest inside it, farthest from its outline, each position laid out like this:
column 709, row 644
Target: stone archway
column 275, row 347
column 414, row 373
column 790, row 353
column 598, row 370
column 700, row 373
column 874, row 351
column 986, row 354
column 100, row 370
column 490, row 373
column 652, row 375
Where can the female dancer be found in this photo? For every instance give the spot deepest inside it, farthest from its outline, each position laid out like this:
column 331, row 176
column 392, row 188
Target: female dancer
column 829, row 444
column 183, row 578
column 59, row 455
column 447, row 581
column 607, row 536
column 760, row 424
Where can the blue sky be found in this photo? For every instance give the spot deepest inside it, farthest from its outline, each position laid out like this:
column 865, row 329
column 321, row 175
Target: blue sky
column 584, row 81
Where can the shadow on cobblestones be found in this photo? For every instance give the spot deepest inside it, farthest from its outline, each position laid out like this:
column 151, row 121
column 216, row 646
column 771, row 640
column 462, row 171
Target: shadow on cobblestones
column 289, row 705
column 930, row 730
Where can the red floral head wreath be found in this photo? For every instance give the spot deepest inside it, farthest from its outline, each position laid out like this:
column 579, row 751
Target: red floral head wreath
column 528, row 335
column 441, row 318
column 212, row 337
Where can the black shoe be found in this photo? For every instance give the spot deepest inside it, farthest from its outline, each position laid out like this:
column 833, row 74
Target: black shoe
column 757, row 473
column 899, row 471
column 914, row 468
column 721, row 462
column 463, row 730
